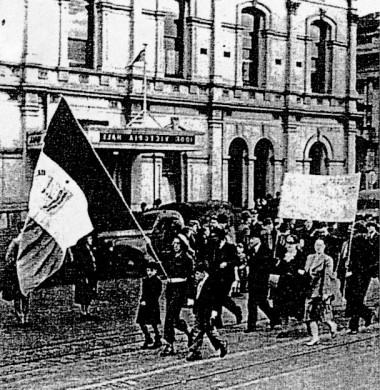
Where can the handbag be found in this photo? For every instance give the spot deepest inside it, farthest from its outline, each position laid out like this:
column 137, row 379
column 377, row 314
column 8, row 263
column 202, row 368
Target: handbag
column 273, row 280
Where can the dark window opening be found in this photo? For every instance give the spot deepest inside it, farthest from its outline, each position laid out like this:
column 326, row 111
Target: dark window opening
column 81, row 34
column 321, row 60
column 253, row 22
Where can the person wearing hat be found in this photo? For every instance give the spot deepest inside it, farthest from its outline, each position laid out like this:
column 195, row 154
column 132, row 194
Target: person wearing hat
column 149, row 309
column 255, row 225
column 229, row 230
column 260, row 265
column 359, row 271
column 205, row 309
column 222, row 259
column 179, row 267
column 288, row 296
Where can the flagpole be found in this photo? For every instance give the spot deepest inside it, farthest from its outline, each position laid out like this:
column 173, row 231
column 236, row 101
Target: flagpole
column 147, row 239
column 144, row 101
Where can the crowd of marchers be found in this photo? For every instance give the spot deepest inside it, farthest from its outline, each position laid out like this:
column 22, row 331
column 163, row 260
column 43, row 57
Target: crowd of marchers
column 290, row 269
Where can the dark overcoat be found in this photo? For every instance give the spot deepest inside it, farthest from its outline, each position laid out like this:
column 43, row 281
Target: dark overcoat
column 150, row 294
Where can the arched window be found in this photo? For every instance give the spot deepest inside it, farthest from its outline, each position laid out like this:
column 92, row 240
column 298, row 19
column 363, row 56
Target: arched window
column 253, row 22
column 319, row 159
column 174, row 36
column 321, row 57
column 81, row 33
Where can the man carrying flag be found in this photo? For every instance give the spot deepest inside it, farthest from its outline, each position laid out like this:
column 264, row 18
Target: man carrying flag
column 71, row 195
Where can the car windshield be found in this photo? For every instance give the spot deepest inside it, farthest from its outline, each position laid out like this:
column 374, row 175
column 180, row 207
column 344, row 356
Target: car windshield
column 147, row 221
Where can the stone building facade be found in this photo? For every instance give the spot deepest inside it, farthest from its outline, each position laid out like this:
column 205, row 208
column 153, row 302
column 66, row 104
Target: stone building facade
column 244, row 91
column 368, row 60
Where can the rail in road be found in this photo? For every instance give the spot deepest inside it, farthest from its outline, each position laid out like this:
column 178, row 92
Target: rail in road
column 254, row 358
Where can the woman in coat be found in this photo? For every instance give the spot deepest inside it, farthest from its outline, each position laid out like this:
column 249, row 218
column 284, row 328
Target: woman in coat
column 319, row 272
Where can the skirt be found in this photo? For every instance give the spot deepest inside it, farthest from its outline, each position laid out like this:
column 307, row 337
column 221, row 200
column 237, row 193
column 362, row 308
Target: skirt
column 318, row 310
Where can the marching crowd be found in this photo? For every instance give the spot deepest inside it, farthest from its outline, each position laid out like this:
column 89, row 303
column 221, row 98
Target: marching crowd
column 288, row 268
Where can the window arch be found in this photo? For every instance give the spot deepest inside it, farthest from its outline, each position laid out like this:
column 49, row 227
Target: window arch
column 319, row 159
column 253, row 22
column 321, row 57
column 81, row 33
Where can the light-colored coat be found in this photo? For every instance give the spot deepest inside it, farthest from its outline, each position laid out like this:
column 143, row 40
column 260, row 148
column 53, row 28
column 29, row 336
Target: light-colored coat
column 314, row 268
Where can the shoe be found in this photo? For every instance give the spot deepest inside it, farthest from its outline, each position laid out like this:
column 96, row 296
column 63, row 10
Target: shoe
column 369, row 319
column 239, row 317
column 193, row 356
column 168, row 350
column 333, row 330
column 223, row 349
column 273, row 324
column 312, row 342
column 147, row 344
column 352, row 331
column 250, row 330
column 157, row 344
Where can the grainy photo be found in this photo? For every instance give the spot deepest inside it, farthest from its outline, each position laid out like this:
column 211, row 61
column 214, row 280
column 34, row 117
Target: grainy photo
column 189, row 194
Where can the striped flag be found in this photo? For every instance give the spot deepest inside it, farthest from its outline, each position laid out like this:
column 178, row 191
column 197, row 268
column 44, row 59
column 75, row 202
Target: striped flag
column 71, row 196
column 139, row 58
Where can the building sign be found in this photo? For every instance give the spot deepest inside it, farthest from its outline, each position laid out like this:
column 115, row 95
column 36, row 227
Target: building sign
column 35, row 140
column 139, row 138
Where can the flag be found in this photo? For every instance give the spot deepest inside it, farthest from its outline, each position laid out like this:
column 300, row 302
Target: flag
column 320, row 198
column 71, row 196
column 140, row 57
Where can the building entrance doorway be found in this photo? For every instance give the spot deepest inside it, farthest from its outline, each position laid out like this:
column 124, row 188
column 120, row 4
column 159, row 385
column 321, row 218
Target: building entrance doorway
column 238, row 173
column 264, row 168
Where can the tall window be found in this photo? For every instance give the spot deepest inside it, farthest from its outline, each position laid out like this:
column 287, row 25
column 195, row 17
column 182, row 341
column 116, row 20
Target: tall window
column 321, row 57
column 174, row 39
column 319, row 160
column 253, row 22
column 81, row 33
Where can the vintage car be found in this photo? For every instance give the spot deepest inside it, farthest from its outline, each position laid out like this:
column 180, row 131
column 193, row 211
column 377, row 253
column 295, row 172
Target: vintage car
column 128, row 250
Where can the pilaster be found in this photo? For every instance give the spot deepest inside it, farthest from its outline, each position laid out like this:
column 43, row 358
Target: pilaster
column 292, row 7
column 216, row 167
column 63, row 33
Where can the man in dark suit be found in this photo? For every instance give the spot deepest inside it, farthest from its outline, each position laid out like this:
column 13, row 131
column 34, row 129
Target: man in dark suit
column 222, row 260
column 269, row 235
column 205, row 308
column 260, row 265
column 373, row 238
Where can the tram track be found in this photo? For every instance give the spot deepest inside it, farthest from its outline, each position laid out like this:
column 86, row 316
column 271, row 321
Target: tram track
column 125, row 382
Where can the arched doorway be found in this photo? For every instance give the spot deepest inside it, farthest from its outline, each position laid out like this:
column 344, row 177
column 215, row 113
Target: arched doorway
column 264, row 168
column 319, row 160
column 237, row 173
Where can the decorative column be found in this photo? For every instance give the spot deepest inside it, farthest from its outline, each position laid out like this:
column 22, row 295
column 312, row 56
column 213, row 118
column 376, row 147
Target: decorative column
column 290, row 134
column 160, row 46
column 238, row 55
column 351, row 55
column 226, row 161
column 184, row 177
column 351, row 146
column 307, row 69
column 290, row 83
column 251, row 182
column 215, row 129
column 63, row 33
column 216, row 42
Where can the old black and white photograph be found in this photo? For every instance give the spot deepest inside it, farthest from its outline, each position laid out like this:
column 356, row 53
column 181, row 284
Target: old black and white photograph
column 189, row 194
